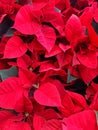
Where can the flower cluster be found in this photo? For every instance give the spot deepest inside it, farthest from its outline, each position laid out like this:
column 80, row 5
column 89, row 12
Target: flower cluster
column 49, row 56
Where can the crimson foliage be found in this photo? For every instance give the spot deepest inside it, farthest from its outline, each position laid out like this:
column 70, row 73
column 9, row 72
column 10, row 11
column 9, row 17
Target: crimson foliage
column 49, row 54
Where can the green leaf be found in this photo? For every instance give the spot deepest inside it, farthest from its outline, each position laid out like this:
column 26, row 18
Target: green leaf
column 13, row 71
column 70, row 78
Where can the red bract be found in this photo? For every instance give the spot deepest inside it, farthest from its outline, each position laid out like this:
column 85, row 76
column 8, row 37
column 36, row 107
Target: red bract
column 9, row 88
column 48, row 95
column 86, row 74
column 80, row 43
column 7, row 118
column 72, row 103
column 64, row 58
column 48, row 64
column 55, row 50
column 47, row 120
column 55, row 18
column 78, row 123
column 40, row 4
column 27, row 20
column 24, row 61
column 45, row 34
column 27, row 78
column 93, row 36
column 14, row 48
column 8, row 1
column 62, row 5
column 89, row 59
column 10, row 124
column 23, row 2
column 13, row 87
column 47, row 37
column 9, row 9
column 73, row 29
column 45, row 66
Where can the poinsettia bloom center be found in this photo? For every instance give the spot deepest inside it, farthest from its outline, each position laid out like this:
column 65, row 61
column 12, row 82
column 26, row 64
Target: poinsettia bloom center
column 82, row 45
column 26, row 114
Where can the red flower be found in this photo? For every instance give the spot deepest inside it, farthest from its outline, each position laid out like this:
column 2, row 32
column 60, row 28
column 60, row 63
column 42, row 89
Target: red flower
column 48, row 64
column 74, row 121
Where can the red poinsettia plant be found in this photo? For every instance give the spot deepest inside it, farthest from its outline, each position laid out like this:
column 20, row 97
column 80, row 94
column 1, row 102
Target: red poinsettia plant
column 48, row 64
